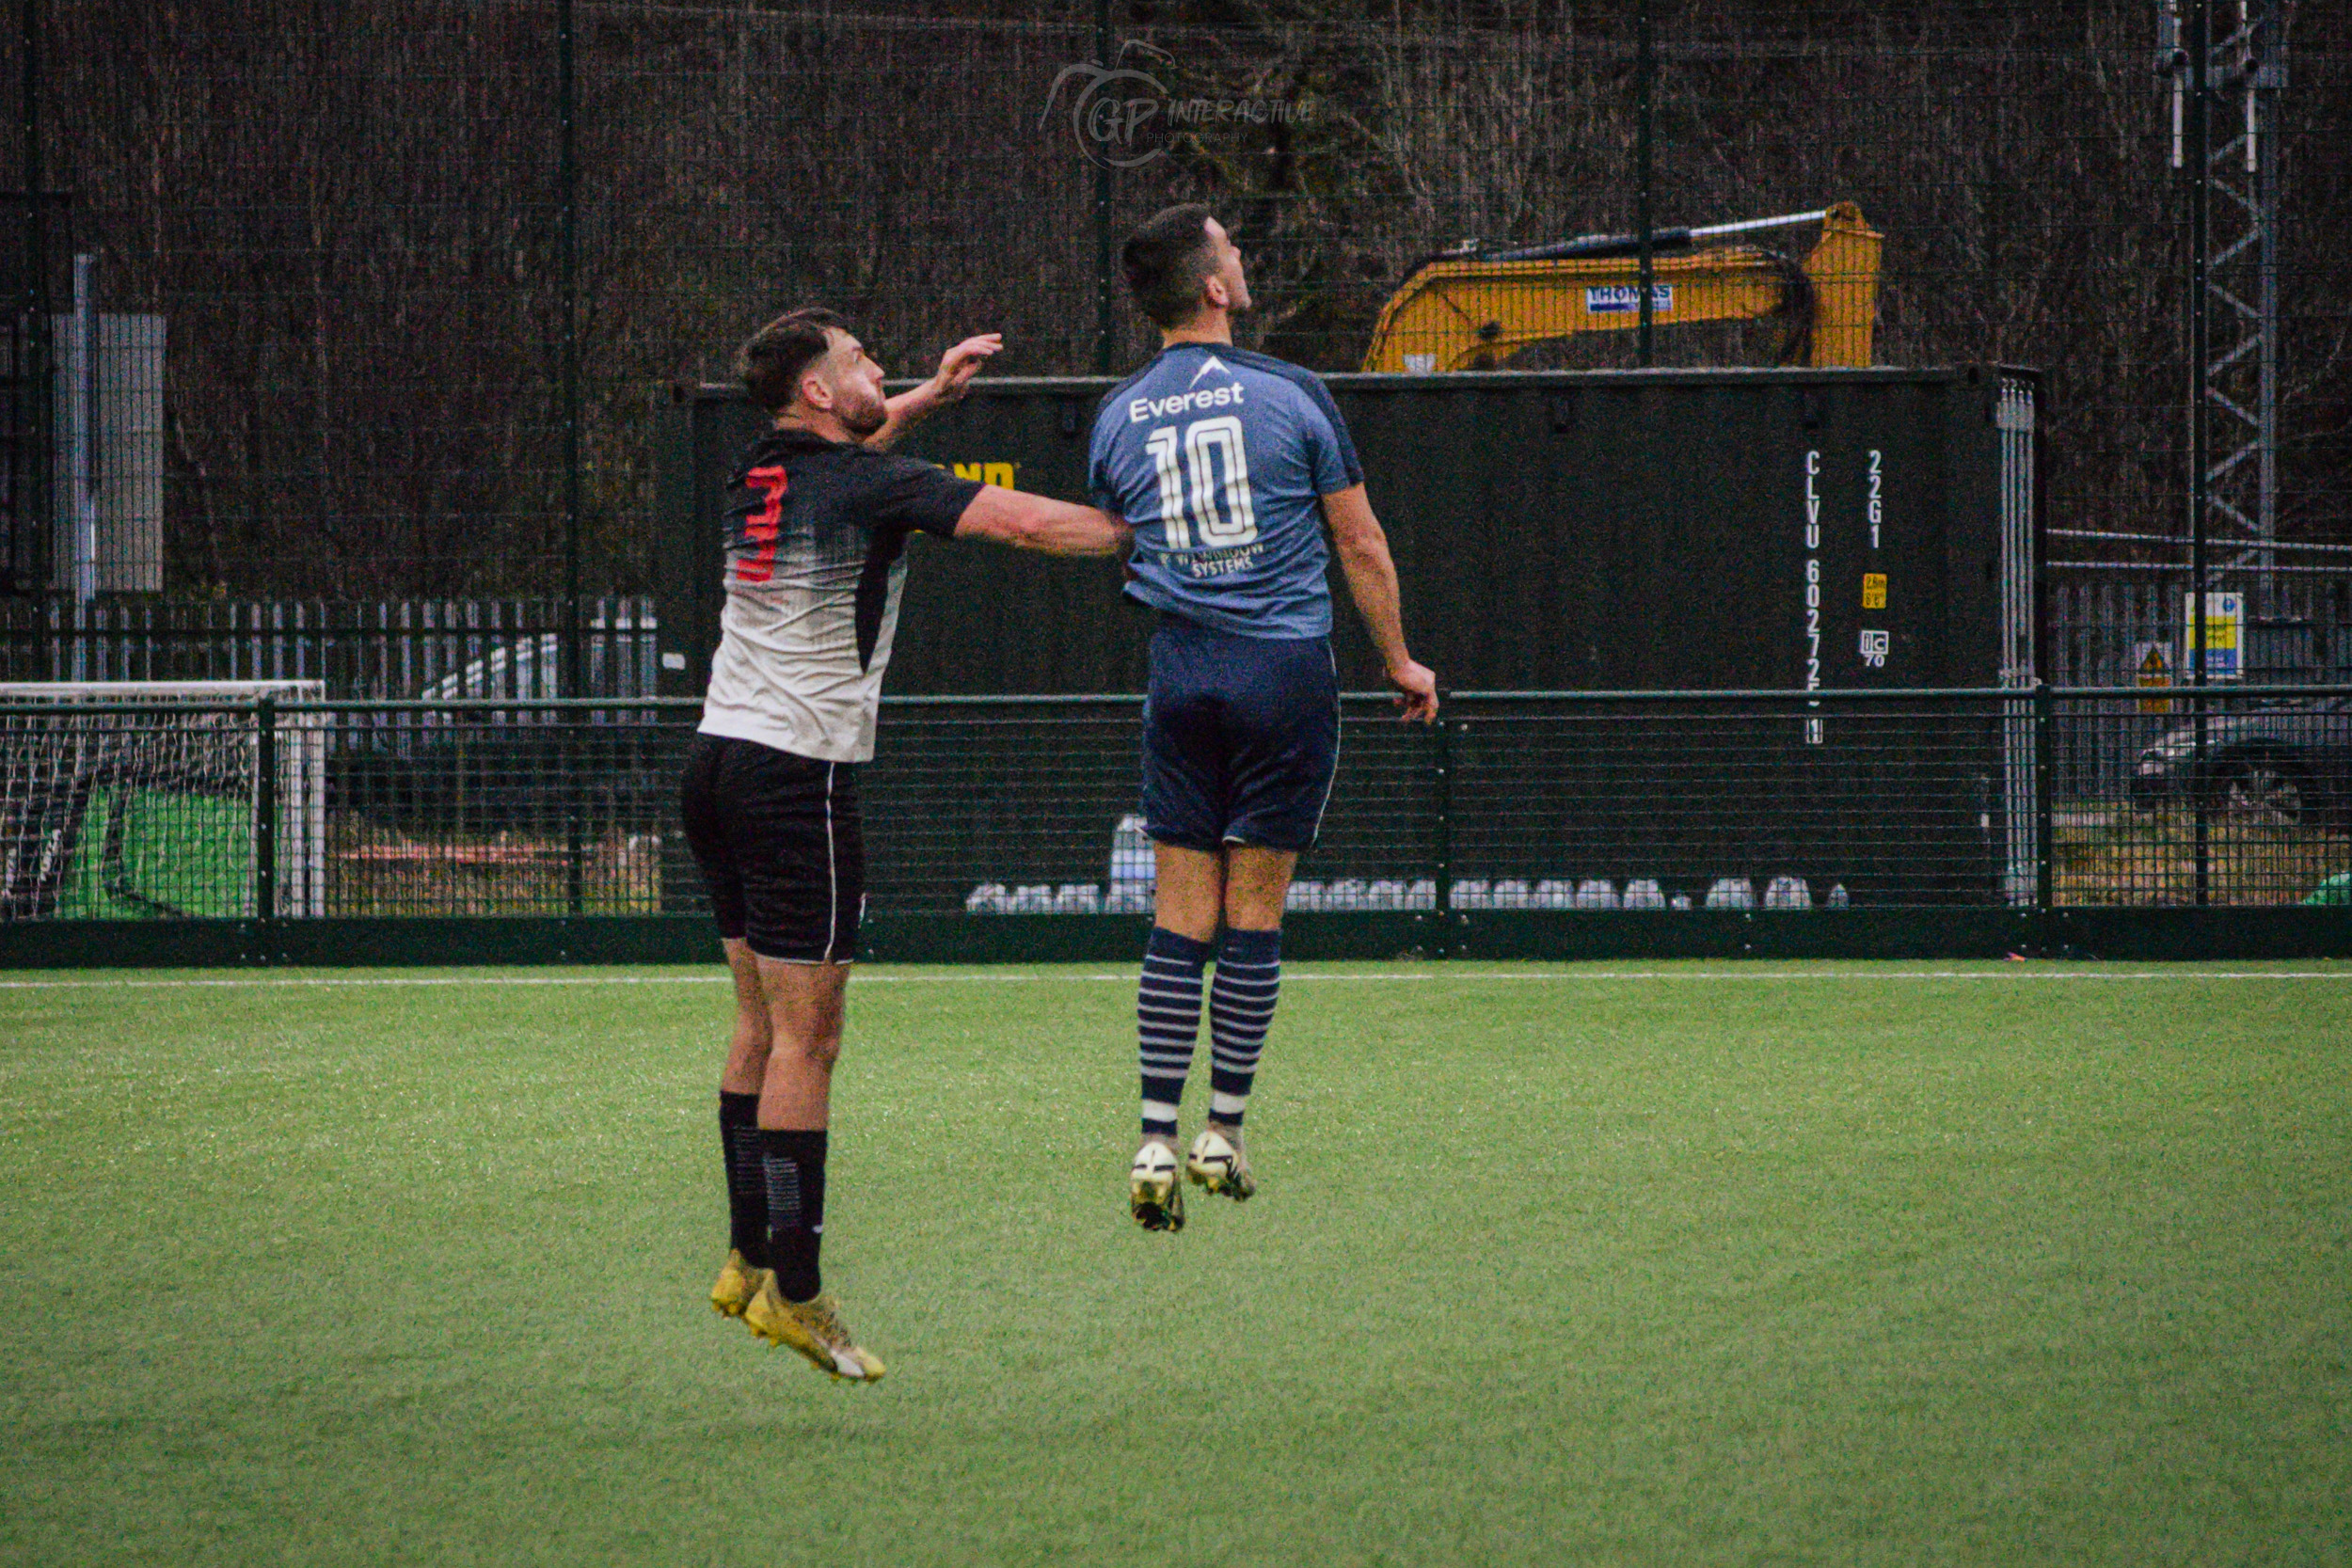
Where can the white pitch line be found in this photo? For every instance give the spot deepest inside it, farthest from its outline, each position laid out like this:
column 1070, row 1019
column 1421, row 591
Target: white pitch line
column 388, row 980
column 2344, row 973
column 1416, row 977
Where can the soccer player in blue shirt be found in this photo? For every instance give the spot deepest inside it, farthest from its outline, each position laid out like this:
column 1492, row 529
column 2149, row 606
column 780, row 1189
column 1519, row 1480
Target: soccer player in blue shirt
column 1229, row 465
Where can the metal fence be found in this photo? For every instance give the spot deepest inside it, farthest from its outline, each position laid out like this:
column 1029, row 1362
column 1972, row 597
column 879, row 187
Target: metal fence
column 435, row 649
column 1593, row 802
column 2114, row 628
column 2103, row 626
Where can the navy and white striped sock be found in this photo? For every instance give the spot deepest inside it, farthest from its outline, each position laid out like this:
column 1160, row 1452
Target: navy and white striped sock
column 1168, row 1020
column 1241, row 1008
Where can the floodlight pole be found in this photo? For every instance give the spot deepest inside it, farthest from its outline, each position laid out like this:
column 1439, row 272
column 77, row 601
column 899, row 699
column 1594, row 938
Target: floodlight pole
column 39, row 512
column 1103, row 212
column 567, row 182
column 28, row 116
column 2200, row 171
column 567, row 291
column 1645, row 116
column 2246, row 62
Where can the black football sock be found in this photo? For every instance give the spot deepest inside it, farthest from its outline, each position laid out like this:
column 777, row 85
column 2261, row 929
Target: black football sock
column 795, row 1208
column 747, row 1177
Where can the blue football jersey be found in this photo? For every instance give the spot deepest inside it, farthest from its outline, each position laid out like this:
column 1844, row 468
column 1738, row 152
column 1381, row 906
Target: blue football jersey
column 1219, row 459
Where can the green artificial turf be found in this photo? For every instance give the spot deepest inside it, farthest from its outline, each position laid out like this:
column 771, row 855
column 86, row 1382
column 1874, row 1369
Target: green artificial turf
column 1549, row 1267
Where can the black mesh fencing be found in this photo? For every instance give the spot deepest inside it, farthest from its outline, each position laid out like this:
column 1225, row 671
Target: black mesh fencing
column 2166, row 799
column 1671, row 803
column 342, row 257
column 981, row 807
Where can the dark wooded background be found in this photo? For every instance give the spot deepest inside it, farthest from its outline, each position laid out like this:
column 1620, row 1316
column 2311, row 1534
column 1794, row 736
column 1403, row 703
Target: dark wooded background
column 349, row 214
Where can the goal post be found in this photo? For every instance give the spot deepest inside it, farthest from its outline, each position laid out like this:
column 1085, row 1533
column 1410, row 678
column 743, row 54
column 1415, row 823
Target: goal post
column 130, row 800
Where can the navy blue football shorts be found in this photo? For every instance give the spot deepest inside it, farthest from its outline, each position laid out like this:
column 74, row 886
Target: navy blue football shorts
column 1241, row 736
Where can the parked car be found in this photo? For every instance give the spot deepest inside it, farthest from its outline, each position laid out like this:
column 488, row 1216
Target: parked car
column 521, row 769
column 614, row 663
column 2288, row 762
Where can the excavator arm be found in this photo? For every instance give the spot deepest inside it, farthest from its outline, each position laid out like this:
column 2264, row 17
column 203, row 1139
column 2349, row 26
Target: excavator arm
column 1471, row 311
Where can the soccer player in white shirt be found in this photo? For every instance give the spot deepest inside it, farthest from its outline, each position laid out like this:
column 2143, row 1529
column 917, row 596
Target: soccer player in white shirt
column 817, row 525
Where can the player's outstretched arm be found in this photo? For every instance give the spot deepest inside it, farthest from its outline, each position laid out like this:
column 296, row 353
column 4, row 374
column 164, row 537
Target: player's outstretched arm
column 956, row 367
column 1370, row 573
column 1035, row 523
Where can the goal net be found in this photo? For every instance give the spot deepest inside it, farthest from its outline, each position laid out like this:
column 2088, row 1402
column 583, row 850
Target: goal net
column 134, row 800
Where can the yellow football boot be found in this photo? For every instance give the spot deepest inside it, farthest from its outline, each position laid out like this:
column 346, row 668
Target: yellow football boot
column 732, row 1291
column 812, row 1327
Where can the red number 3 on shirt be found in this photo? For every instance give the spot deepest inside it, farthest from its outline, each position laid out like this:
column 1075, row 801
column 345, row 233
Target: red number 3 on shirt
column 759, row 529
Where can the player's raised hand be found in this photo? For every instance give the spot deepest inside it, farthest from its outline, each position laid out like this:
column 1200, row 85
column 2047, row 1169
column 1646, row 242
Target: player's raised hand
column 960, row 364
column 1416, row 691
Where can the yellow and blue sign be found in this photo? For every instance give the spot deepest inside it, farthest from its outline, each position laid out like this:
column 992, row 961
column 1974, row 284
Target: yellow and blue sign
column 2225, row 626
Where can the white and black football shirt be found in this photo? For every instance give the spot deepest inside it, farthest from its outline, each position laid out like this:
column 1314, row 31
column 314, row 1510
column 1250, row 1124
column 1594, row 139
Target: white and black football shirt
column 816, row 543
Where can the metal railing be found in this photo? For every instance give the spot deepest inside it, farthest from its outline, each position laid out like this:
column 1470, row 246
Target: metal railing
column 377, row 650
column 1587, row 802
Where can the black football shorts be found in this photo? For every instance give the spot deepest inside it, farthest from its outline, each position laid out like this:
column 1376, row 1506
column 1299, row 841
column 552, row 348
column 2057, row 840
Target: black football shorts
column 780, row 847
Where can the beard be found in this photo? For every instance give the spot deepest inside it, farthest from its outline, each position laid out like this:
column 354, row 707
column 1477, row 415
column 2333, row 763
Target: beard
column 863, row 415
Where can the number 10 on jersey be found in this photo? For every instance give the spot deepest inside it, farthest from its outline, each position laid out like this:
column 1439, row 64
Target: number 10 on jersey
column 1222, row 514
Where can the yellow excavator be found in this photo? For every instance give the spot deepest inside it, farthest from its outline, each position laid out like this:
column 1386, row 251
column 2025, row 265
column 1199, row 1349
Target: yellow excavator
column 1471, row 309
